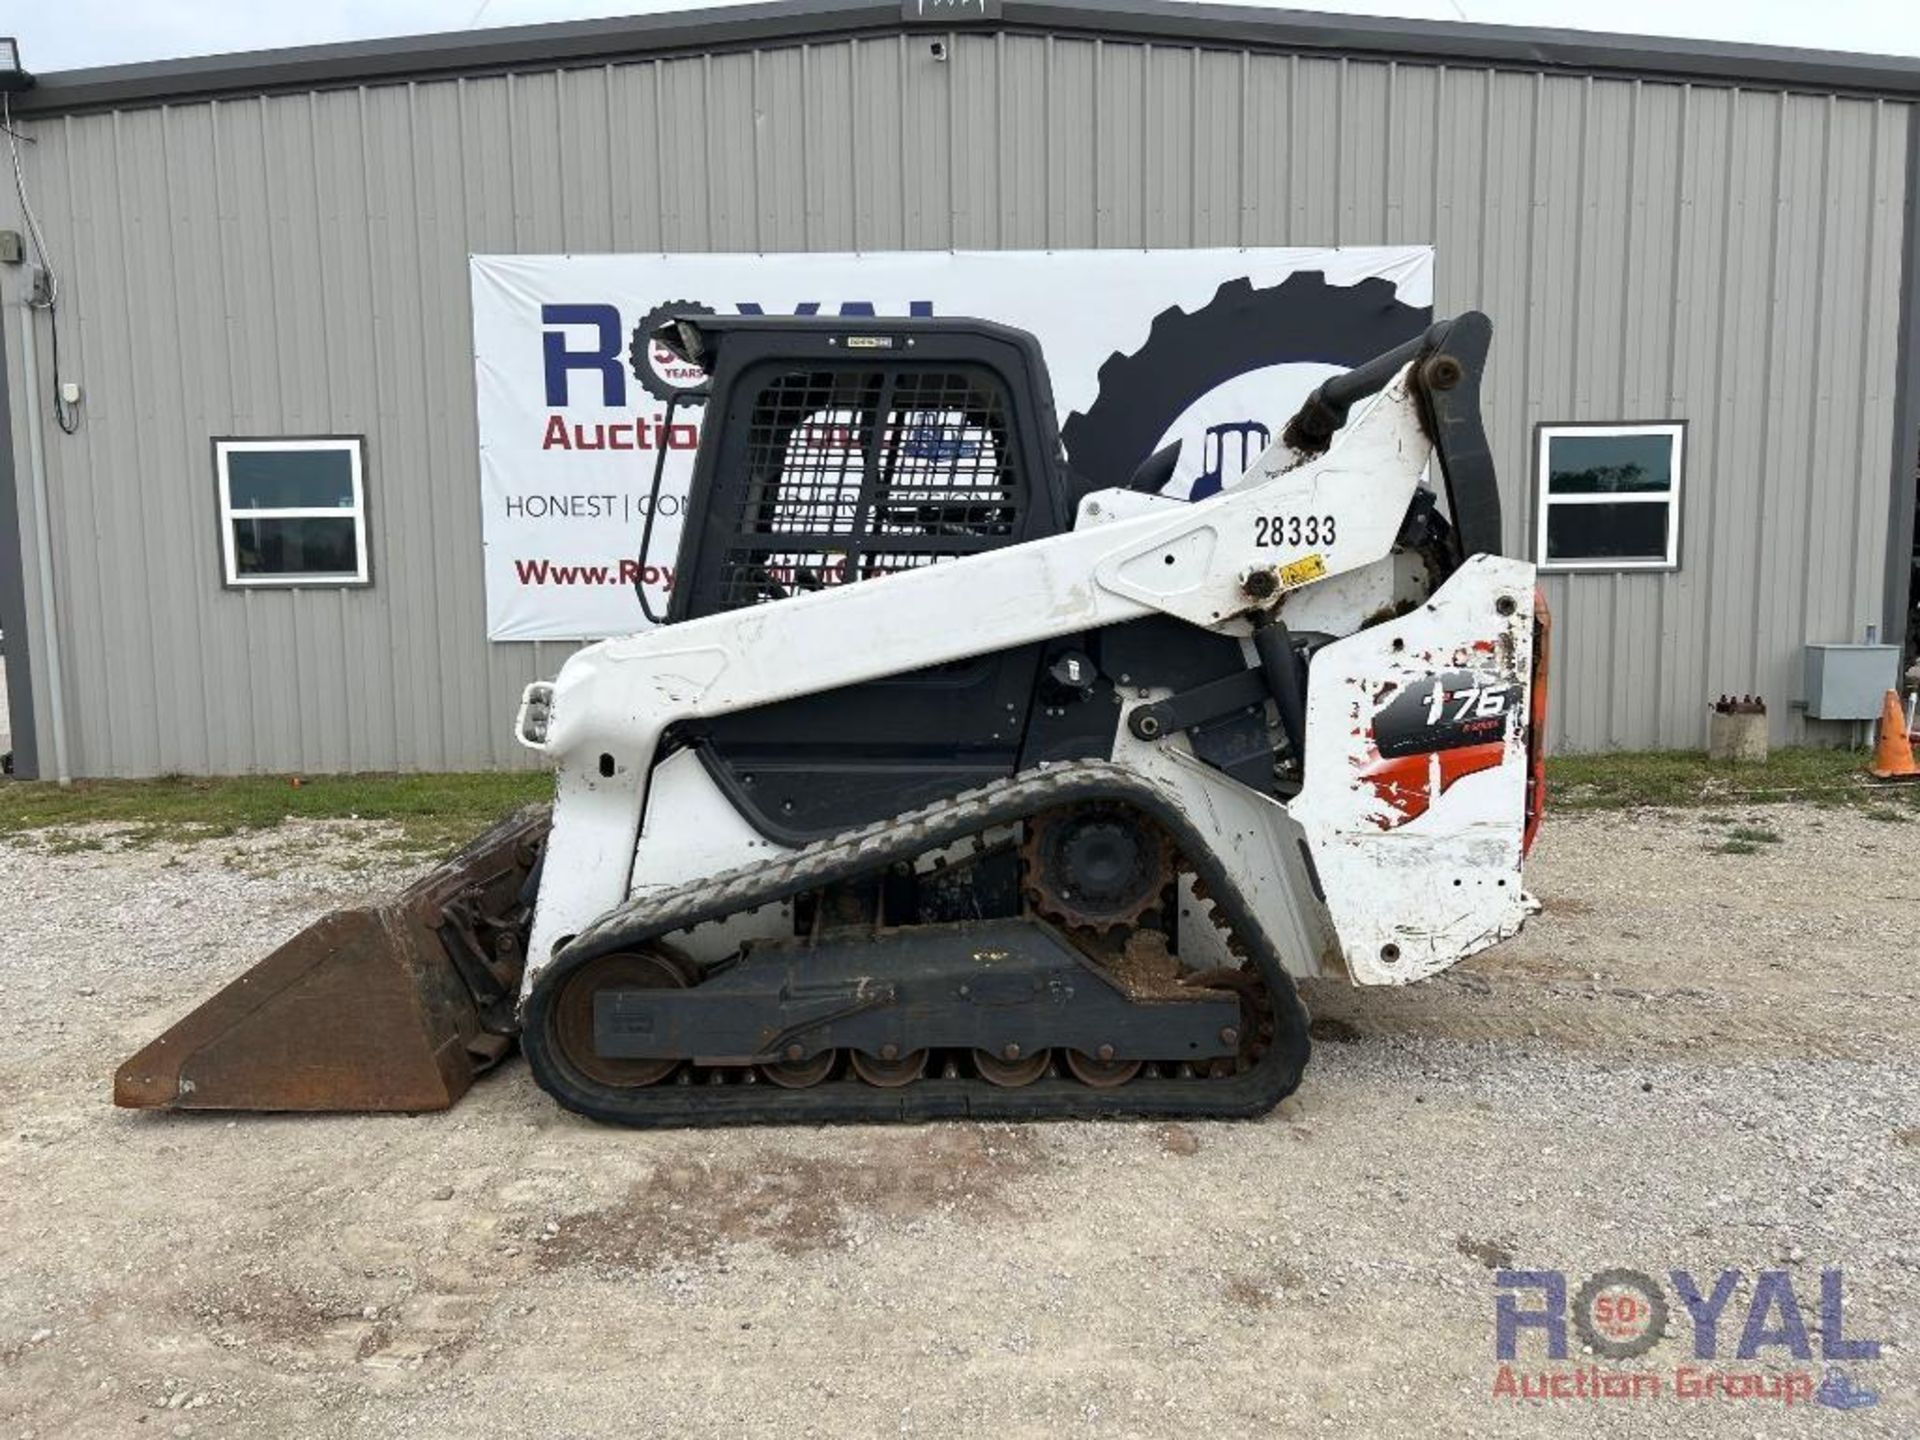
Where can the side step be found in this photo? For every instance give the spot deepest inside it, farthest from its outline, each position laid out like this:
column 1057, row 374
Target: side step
column 389, row 1007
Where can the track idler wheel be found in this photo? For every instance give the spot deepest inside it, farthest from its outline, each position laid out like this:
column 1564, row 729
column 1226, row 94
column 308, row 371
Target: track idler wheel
column 570, row 1022
column 1257, row 1023
column 1010, row 1072
column 889, row 1074
column 1101, row 1074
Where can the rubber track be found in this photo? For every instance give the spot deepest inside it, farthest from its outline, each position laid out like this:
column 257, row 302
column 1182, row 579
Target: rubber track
column 635, row 922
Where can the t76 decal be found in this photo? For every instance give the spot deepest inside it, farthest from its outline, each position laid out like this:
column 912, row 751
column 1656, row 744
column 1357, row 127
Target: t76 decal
column 1436, row 732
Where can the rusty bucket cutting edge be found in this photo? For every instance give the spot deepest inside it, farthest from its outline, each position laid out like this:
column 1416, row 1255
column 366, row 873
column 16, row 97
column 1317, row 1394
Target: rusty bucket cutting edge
column 395, row 1006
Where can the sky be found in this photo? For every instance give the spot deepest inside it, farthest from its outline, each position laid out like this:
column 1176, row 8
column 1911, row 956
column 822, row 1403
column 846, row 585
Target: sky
column 72, row 34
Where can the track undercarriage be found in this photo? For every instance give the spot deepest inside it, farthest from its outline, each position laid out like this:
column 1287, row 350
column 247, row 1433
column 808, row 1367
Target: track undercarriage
column 1012, row 952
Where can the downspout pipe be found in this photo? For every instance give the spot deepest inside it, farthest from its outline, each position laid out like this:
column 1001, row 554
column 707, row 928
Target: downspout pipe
column 43, row 548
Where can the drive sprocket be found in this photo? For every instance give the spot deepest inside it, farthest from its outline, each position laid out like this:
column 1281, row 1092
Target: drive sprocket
column 1095, row 866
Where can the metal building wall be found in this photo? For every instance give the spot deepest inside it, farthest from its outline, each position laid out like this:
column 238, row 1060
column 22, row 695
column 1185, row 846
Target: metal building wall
column 297, row 264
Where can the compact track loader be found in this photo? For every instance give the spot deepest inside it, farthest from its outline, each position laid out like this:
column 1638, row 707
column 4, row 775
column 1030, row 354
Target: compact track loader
column 958, row 784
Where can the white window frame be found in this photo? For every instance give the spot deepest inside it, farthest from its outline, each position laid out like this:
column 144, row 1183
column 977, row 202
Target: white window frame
column 1547, row 432
column 355, row 447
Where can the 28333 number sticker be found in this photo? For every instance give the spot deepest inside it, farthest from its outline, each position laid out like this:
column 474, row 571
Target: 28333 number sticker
column 1279, row 530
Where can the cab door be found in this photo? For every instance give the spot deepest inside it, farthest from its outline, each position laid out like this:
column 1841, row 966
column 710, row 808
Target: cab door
column 833, row 473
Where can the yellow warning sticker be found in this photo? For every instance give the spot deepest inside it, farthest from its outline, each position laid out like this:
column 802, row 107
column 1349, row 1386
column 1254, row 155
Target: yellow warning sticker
column 1299, row 572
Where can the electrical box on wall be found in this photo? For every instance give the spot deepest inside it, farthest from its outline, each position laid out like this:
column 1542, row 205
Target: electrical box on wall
column 13, row 249
column 1848, row 682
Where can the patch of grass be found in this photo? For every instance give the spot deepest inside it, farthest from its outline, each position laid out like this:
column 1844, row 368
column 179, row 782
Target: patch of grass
column 1886, row 815
column 1736, row 847
column 434, row 813
column 60, row 844
column 1754, row 835
column 1622, row 780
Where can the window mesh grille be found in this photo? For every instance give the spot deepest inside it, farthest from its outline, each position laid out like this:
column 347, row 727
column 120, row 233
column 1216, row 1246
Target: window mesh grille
column 852, row 475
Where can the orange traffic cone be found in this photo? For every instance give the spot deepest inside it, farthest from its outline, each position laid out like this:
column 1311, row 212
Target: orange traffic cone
column 1893, row 756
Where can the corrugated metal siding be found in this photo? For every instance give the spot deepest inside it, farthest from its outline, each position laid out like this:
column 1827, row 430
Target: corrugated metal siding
column 297, row 264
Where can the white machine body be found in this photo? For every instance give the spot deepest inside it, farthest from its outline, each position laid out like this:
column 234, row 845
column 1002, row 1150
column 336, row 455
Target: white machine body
column 1400, row 855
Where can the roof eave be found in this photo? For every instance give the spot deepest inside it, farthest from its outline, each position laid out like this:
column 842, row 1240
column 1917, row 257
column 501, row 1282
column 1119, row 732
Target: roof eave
column 577, row 43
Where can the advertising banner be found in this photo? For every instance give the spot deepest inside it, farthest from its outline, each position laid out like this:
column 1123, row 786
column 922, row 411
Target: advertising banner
column 1215, row 348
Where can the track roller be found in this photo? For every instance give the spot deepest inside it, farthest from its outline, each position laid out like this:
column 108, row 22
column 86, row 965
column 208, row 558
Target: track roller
column 1101, row 1073
column 1010, row 1073
column 799, row 1074
column 889, row 1073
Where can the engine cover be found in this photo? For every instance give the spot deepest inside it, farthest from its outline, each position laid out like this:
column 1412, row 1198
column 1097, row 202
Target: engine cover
column 1414, row 802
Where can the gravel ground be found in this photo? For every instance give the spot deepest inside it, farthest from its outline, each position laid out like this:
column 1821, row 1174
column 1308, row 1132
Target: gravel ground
column 1690, row 1060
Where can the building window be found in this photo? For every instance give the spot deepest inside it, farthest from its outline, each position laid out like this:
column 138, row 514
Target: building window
column 1609, row 496
column 293, row 512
